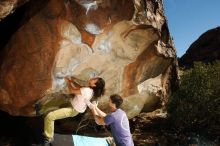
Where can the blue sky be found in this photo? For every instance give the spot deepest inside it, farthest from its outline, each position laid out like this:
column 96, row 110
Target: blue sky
column 188, row 19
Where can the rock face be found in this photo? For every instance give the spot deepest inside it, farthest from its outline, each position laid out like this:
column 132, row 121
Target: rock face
column 8, row 6
column 125, row 42
column 206, row 48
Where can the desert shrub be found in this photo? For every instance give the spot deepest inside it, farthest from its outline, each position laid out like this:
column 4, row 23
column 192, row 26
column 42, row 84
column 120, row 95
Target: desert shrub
column 196, row 104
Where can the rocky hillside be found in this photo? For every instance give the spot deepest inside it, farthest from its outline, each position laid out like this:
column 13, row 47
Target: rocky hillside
column 206, row 48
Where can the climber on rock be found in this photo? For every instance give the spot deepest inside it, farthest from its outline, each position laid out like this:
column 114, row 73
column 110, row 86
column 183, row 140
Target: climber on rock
column 82, row 97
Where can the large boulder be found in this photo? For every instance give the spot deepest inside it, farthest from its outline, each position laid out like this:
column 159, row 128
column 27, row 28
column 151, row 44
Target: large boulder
column 125, row 42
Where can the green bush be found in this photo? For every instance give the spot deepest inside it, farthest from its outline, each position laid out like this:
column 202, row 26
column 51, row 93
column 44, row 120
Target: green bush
column 196, row 103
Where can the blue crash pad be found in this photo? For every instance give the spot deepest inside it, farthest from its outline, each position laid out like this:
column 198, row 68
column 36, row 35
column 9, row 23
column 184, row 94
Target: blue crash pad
column 89, row 141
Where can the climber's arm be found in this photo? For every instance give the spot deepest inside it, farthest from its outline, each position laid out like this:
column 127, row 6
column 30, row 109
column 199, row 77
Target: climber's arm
column 71, row 83
column 99, row 120
column 100, row 112
column 106, row 120
column 74, row 91
column 98, row 115
column 72, row 88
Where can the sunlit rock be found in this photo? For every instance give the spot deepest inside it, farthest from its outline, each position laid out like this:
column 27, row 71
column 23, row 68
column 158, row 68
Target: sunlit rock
column 125, row 42
column 8, row 6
